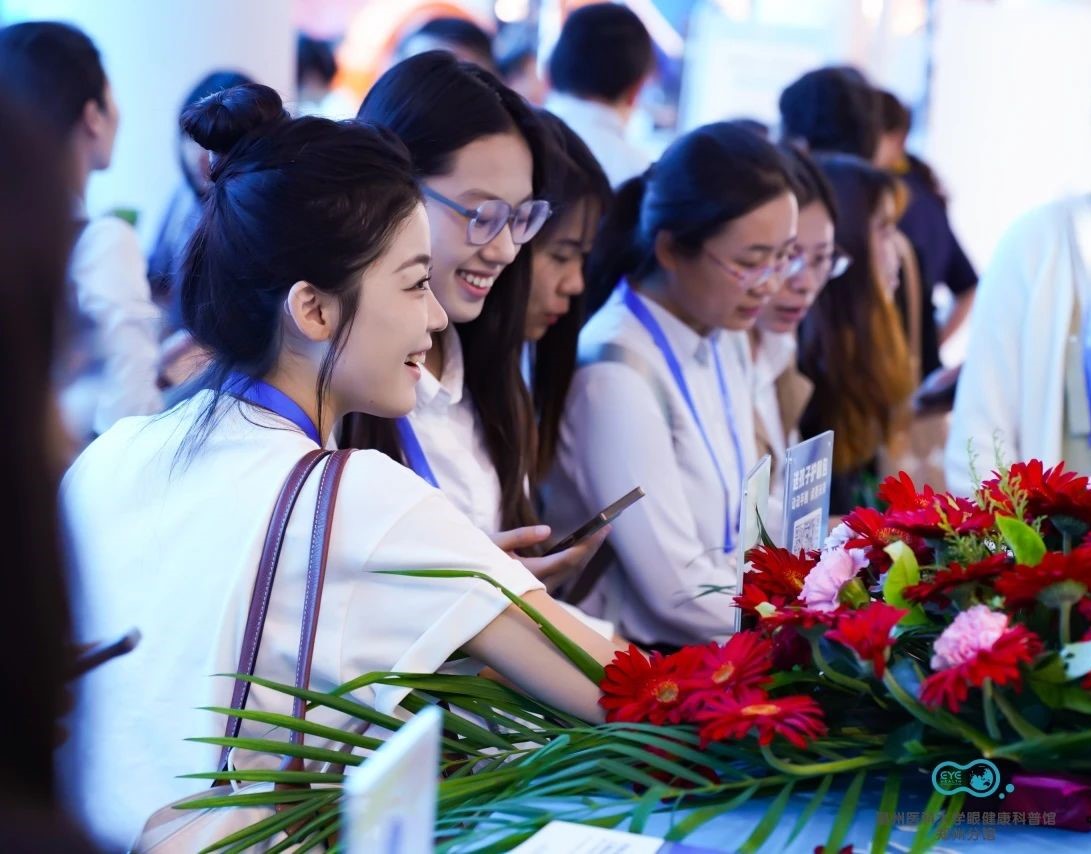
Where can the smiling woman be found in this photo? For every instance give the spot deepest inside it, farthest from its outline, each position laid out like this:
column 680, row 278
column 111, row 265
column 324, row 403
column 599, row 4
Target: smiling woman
column 307, row 280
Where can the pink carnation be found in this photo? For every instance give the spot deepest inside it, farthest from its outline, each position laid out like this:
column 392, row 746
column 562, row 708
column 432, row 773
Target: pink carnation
column 824, row 582
column 974, row 630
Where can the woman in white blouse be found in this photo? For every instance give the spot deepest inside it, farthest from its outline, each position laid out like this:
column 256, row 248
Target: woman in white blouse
column 308, row 281
column 481, row 155
column 109, row 369
column 661, row 399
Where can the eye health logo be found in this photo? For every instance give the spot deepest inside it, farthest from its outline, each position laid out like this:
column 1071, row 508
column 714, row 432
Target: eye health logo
column 979, row 779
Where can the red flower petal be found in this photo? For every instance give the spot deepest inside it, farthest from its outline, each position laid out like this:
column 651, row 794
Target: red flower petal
column 950, row 687
column 867, row 632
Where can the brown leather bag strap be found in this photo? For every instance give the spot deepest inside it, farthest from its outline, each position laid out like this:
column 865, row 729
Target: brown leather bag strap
column 316, row 575
column 263, row 585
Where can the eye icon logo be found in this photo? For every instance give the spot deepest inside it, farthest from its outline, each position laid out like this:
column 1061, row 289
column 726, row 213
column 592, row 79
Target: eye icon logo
column 979, row 779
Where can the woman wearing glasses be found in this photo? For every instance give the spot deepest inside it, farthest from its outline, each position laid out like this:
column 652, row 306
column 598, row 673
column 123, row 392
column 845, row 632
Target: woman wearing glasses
column 781, row 392
column 479, row 154
column 694, row 249
column 851, row 344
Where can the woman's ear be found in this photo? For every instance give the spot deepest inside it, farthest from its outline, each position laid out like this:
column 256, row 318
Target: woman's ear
column 312, row 313
column 666, row 252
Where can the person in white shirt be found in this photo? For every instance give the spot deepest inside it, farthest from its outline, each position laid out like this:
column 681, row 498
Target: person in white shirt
column 308, row 282
column 111, row 368
column 781, row 392
column 1024, row 384
column 601, row 61
column 480, row 154
column 661, row 399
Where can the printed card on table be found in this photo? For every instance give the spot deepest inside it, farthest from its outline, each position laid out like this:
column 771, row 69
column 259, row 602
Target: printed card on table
column 390, row 800
column 808, row 472
column 755, row 510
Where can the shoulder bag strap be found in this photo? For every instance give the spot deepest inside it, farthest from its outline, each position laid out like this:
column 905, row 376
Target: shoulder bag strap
column 263, row 585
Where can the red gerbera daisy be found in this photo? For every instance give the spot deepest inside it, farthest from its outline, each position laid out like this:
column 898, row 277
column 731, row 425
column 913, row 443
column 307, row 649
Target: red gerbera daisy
column 798, row 618
column 1049, row 492
column 874, row 532
column 978, row 645
column 724, row 716
column 1025, row 584
column 741, row 663
column 867, row 632
column 944, row 513
column 982, row 572
column 900, row 493
column 636, row 689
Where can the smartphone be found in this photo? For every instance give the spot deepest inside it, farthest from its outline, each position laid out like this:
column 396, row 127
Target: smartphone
column 599, row 521
column 101, row 653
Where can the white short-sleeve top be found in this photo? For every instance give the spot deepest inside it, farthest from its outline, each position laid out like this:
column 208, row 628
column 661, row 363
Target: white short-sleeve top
column 171, row 544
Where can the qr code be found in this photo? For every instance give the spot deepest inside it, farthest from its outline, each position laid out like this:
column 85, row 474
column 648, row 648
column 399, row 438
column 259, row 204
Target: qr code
column 807, row 532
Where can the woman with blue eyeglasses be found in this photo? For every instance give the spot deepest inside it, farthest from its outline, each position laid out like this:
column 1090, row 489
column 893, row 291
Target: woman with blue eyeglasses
column 480, row 155
column 693, row 251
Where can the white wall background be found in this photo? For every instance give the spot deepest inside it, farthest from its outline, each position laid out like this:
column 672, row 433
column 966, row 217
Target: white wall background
column 154, row 52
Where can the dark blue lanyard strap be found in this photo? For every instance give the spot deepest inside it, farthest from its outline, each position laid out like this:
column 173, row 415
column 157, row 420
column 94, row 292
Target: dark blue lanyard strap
column 648, row 321
column 269, row 397
column 414, row 453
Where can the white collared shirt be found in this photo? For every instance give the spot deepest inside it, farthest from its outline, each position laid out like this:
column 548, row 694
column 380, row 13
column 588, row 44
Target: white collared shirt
column 622, row 429
column 605, row 134
column 171, row 546
column 109, row 274
column 449, row 431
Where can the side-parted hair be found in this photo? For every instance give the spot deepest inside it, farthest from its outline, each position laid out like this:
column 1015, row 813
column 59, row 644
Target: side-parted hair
column 575, row 176
column 704, row 180
column 437, row 105
column 292, row 200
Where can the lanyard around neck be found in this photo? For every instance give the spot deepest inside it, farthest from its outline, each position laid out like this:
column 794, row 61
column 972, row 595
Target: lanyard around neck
column 415, row 457
column 659, row 338
column 262, row 394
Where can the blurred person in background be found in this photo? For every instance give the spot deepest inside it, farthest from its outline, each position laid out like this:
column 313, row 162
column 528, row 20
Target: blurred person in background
column 600, row 63
column 781, row 392
column 1023, row 386
column 316, row 71
column 110, row 369
column 36, row 234
column 851, row 343
column 831, row 109
column 941, row 257
column 518, row 68
column 460, row 36
column 184, row 210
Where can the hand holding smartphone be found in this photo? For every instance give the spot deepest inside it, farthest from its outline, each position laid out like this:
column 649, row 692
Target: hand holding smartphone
column 599, row 521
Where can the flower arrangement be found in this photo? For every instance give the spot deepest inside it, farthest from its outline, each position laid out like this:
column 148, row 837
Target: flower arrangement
column 935, row 631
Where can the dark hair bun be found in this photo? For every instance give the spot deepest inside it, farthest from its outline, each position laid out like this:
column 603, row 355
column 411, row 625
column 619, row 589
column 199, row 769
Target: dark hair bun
column 219, row 121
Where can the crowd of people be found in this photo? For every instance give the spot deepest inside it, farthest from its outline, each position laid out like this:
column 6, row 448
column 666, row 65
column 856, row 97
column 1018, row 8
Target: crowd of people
column 514, row 317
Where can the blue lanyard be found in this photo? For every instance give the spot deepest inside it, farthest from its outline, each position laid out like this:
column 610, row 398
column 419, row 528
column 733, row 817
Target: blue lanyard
column 648, row 321
column 414, row 453
column 269, row 397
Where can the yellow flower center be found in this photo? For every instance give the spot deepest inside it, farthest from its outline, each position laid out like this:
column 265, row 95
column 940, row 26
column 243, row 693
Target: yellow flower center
column 666, row 692
column 724, row 673
column 761, row 709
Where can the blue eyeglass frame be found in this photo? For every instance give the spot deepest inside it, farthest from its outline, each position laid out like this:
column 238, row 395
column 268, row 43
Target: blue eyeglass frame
column 473, row 213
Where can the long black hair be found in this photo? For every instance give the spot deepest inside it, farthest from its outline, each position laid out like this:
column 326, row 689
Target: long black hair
column 36, row 235
column 575, row 176
column 292, row 200
column 437, row 105
column 851, row 343
column 704, row 180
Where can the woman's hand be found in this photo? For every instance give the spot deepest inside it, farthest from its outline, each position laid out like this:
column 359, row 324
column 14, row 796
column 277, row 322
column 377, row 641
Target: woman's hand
column 552, row 569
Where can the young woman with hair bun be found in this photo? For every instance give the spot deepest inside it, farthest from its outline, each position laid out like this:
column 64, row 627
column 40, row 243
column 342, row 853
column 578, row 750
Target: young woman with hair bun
column 308, row 282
